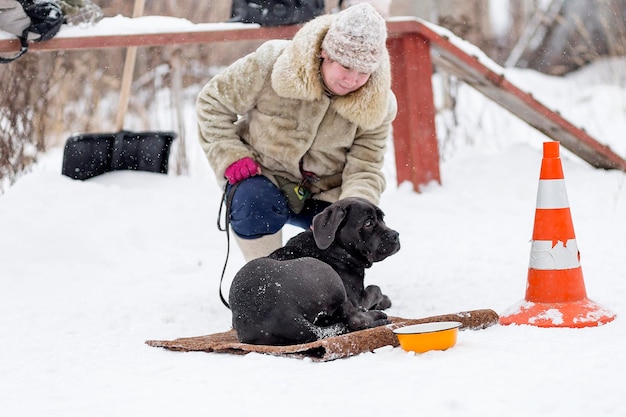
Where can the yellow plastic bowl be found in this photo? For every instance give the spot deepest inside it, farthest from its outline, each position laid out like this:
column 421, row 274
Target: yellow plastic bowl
column 421, row 338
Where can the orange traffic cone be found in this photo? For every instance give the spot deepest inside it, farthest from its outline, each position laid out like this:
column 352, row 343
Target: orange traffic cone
column 555, row 290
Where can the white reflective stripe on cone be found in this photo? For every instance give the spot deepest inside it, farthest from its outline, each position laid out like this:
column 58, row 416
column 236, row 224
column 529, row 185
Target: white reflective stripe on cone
column 552, row 194
column 545, row 256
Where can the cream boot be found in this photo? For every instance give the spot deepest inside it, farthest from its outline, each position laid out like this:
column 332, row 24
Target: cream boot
column 262, row 246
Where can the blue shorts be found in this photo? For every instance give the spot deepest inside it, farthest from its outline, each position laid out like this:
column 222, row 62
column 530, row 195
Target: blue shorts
column 259, row 208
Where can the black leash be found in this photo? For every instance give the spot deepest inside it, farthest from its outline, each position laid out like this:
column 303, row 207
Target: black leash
column 227, row 198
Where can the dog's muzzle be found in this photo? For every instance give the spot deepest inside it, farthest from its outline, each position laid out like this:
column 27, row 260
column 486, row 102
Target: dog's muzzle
column 389, row 245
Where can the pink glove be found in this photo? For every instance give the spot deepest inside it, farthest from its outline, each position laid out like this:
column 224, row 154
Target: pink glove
column 242, row 169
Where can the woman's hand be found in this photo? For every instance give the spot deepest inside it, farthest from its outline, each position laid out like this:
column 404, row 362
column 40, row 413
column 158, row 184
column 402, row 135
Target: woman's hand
column 242, row 169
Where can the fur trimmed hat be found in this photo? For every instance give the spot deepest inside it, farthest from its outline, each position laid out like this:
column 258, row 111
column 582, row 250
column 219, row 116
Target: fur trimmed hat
column 356, row 38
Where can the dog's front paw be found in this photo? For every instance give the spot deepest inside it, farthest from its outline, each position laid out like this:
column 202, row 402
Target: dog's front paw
column 383, row 304
column 380, row 319
column 381, row 322
column 367, row 319
column 374, row 299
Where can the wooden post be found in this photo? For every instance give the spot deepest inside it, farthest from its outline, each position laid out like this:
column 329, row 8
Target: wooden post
column 415, row 137
column 127, row 76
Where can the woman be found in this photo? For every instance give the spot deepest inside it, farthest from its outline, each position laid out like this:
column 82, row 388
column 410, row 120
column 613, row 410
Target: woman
column 299, row 124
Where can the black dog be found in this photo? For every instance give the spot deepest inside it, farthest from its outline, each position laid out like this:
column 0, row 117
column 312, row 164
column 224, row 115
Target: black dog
column 313, row 287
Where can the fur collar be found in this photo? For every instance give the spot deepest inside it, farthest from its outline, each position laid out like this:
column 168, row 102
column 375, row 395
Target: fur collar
column 296, row 76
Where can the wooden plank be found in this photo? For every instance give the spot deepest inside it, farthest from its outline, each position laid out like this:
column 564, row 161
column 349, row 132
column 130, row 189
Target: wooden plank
column 223, row 32
column 520, row 103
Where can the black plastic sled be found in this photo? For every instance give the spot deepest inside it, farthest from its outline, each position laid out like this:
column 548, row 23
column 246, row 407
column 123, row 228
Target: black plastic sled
column 89, row 155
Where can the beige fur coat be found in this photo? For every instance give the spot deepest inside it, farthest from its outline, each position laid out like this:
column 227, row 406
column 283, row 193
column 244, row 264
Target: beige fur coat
column 270, row 105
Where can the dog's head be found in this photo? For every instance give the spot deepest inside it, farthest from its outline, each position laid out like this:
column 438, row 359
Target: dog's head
column 358, row 226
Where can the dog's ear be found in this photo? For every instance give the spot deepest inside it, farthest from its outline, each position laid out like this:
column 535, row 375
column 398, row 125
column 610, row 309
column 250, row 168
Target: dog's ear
column 326, row 224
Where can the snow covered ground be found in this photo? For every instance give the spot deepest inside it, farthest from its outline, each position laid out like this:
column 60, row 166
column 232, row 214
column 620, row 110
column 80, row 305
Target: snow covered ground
column 90, row 270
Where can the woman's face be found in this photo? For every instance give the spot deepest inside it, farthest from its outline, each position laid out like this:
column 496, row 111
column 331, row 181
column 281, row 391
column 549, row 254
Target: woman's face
column 339, row 79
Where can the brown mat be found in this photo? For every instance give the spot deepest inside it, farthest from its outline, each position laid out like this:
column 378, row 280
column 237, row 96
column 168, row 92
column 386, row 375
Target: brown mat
column 337, row 347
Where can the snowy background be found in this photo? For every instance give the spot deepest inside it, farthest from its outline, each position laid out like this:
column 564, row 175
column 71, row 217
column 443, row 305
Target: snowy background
column 90, row 270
